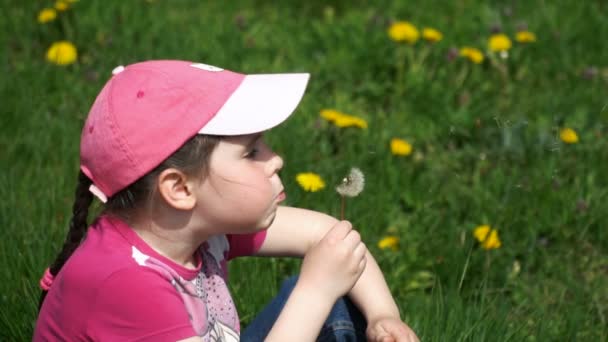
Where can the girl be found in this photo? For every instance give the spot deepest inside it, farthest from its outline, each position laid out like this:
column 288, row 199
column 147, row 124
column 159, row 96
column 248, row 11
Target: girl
column 176, row 152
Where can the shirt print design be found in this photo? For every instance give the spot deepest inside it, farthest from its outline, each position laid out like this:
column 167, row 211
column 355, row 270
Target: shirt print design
column 213, row 316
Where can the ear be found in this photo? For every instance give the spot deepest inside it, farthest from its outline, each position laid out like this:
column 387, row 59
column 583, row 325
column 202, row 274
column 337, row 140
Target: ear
column 177, row 189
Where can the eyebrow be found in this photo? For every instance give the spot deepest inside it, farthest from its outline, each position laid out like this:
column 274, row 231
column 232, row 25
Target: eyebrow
column 253, row 139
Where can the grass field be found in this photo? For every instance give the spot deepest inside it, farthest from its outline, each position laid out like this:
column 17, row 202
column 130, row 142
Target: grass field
column 485, row 138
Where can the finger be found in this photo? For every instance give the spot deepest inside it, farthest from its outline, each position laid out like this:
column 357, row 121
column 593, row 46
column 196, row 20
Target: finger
column 359, row 256
column 352, row 239
column 401, row 333
column 362, row 264
column 377, row 335
column 360, row 250
column 392, row 329
column 338, row 231
column 384, row 337
column 411, row 337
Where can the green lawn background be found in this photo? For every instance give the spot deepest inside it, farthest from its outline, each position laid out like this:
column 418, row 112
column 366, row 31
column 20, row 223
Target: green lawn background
column 485, row 137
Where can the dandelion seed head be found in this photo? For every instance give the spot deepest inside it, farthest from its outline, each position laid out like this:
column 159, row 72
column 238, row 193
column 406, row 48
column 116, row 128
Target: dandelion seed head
column 352, row 184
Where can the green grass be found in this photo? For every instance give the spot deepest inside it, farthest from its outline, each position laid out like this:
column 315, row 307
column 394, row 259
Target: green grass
column 486, row 147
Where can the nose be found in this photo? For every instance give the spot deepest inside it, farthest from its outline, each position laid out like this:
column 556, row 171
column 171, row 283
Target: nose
column 275, row 164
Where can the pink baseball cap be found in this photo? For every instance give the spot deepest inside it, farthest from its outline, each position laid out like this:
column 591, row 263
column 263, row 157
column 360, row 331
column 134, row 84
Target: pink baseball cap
column 148, row 110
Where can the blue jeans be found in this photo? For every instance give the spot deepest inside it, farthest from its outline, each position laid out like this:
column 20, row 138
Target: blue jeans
column 345, row 321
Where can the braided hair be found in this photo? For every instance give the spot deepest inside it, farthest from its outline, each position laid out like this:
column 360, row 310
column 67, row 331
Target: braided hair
column 192, row 159
column 78, row 226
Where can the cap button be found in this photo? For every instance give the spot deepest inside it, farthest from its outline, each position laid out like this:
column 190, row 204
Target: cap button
column 206, row 67
column 118, row 70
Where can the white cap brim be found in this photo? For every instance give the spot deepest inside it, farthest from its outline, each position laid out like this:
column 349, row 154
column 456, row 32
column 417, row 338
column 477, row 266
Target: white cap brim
column 259, row 103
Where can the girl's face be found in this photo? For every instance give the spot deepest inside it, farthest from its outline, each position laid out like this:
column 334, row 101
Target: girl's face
column 242, row 190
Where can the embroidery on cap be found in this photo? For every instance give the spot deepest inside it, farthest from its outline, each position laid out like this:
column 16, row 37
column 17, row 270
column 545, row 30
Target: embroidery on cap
column 206, row 67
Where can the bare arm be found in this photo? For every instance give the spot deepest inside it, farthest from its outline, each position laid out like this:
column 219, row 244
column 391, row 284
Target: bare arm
column 334, row 260
column 300, row 320
column 296, row 230
column 294, row 233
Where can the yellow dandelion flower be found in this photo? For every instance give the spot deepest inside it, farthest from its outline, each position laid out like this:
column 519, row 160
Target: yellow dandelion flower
column 61, row 5
column 389, row 242
column 47, row 15
column 330, row 114
column 62, row 53
column 403, row 31
column 472, row 54
column 350, row 121
column 400, row 147
column 432, row 35
column 487, row 237
column 481, row 232
column 342, row 120
column 310, row 181
column 492, row 242
column 568, row 135
column 499, row 42
column 525, row 37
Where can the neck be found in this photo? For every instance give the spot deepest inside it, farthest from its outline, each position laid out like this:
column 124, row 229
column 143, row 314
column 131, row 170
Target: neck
column 174, row 238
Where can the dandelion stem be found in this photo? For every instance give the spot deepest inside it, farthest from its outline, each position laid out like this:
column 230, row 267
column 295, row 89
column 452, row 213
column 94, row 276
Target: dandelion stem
column 464, row 271
column 400, row 83
column 461, row 77
column 488, row 262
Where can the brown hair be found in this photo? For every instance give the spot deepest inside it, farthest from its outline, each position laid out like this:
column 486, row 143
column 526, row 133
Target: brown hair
column 192, row 158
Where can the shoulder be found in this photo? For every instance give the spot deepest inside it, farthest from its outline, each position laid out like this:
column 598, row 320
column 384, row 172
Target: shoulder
column 132, row 289
column 134, row 276
column 128, row 301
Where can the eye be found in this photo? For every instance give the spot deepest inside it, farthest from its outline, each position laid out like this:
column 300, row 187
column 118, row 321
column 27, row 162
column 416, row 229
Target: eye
column 252, row 153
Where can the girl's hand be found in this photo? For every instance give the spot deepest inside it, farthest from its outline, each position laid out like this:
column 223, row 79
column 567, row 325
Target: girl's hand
column 390, row 330
column 333, row 266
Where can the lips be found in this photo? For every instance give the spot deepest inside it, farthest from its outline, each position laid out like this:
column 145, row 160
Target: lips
column 281, row 196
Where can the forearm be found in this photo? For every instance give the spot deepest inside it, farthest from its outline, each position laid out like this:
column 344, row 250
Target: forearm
column 372, row 295
column 300, row 320
column 294, row 231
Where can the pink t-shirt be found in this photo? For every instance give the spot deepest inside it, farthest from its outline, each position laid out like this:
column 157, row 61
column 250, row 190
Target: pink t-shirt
column 117, row 288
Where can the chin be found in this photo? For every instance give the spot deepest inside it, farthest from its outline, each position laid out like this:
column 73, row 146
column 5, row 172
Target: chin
column 268, row 221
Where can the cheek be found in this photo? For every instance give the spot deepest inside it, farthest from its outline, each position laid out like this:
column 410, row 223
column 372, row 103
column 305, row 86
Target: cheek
column 247, row 194
column 250, row 195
